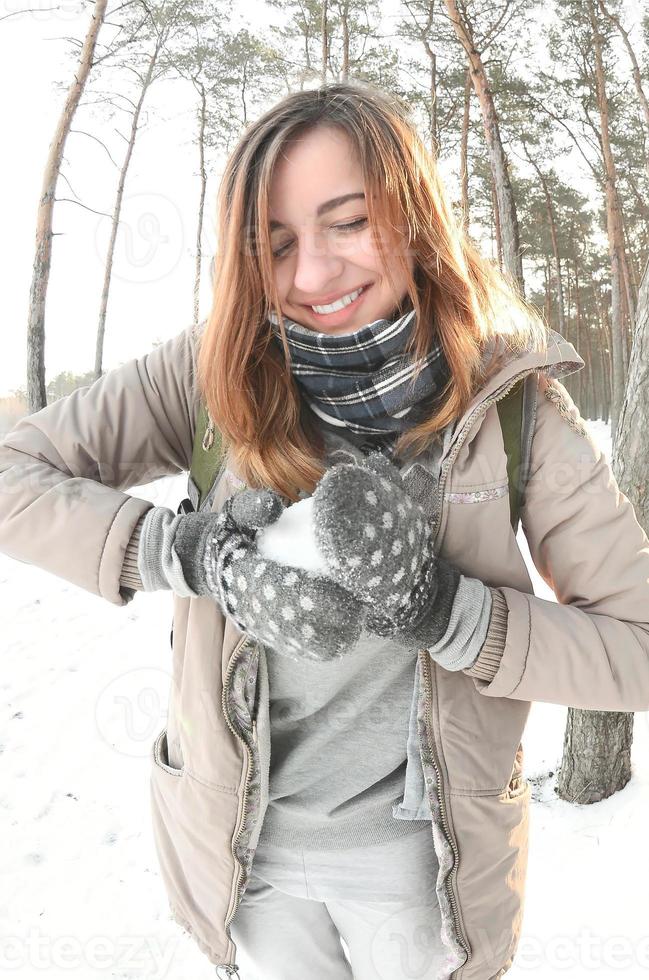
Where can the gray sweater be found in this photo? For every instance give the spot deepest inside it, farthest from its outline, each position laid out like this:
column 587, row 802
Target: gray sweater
column 338, row 747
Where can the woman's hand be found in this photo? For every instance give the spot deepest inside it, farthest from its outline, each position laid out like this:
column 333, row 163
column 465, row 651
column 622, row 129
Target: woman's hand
column 297, row 613
column 377, row 543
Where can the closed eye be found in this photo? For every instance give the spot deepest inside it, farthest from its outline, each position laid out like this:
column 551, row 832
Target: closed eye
column 350, row 226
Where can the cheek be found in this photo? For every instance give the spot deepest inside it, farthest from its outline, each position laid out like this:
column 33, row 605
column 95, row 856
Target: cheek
column 366, row 250
column 282, row 277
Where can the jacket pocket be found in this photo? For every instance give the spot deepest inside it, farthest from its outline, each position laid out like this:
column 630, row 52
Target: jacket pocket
column 161, row 755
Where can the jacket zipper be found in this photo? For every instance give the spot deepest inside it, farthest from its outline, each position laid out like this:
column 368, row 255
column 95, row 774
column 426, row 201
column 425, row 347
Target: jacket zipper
column 481, row 408
column 231, row 970
column 442, row 807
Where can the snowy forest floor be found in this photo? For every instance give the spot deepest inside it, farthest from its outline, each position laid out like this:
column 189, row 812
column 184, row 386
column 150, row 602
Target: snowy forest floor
column 84, row 692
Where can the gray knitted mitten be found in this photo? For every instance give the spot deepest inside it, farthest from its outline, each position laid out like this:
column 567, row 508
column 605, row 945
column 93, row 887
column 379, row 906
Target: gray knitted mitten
column 296, row 612
column 377, row 543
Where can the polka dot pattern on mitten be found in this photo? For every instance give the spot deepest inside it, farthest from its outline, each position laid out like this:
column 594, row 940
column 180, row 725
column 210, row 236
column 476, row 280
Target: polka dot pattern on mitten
column 371, row 533
column 296, row 612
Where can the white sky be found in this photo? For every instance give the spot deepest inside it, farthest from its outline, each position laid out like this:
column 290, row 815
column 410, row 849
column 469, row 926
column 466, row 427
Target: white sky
column 151, row 292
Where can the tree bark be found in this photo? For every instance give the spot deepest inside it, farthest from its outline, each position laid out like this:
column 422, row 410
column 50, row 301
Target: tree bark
column 592, row 402
column 555, row 240
column 506, row 205
column 605, row 328
column 596, row 759
column 619, row 277
column 547, row 274
column 36, row 390
column 325, row 43
column 424, row 31
column 630, row 457
column 464, row 152
column 497, row 232
column 432, row 61
column 201, row 200
column 579, row 379
column 346, row 39
column 635, row 68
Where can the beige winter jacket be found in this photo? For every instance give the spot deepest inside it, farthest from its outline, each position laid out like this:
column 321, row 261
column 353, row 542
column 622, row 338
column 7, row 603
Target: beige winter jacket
column 63, row 506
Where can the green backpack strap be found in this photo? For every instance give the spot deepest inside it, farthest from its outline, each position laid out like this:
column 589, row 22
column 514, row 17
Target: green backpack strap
column 205, row 465
column 207, row 458
column 517, row 413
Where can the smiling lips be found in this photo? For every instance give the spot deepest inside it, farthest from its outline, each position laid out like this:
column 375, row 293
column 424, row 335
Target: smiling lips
column 337, row 304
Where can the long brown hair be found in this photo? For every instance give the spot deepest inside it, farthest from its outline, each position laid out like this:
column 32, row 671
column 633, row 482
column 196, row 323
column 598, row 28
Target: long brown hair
column 245, row 380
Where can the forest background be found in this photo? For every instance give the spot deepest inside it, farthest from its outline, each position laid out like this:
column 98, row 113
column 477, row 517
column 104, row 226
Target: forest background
column 169, row 91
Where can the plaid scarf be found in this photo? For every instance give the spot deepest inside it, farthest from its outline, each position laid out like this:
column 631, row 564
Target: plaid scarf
column 362, row 381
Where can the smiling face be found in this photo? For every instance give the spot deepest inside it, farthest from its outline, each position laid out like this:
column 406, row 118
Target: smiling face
column 323, row 249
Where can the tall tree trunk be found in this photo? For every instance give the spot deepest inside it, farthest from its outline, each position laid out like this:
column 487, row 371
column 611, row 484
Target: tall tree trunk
column 201, row 200
column 504, row 193
column 592, row 404
column 244, row 86
column 424, row 31
column 548, row 291
column 117, row 210
column 579, row 376
column 346, row 39
column 432, row 61
column 325, row 43
column 555, row 240
column 630, row 456
column 497, row 231
column 571, row 381
column 637, row 76
column 36, row 391
column 628, row 291
column 605, row 329
column 464, row 151
column 613, row 227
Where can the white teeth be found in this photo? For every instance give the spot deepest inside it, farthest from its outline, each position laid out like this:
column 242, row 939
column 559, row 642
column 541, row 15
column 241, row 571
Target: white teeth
column 340, row 304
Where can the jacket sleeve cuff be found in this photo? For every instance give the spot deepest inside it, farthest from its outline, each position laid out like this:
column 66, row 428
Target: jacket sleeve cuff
column 467, row 625
column 130, row 577
column 488, row 660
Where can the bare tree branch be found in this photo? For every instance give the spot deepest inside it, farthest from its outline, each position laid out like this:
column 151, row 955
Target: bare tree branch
column 91, row 136
column 71, row 200
column 28, row 10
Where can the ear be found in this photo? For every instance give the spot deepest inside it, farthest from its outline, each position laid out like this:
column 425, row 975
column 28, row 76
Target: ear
column 254, row 509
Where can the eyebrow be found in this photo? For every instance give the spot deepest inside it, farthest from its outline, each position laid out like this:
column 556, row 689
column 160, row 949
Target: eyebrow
column 335, row 202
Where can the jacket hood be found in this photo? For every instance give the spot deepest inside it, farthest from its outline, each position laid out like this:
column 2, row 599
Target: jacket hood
column 558, row 360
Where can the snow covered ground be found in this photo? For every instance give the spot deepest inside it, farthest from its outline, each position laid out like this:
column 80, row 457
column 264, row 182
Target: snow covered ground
column 84, row 689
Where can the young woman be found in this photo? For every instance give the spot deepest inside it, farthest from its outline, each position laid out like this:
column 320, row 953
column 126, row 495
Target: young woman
column 342, row 757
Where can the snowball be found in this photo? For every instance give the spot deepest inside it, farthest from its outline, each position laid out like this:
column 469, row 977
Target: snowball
column 291, row 541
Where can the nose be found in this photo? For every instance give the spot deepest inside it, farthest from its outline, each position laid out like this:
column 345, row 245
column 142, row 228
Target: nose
column 317, row 265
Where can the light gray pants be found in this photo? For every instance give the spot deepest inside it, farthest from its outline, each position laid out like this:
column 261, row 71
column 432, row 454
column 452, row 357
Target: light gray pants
column 379, row 899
